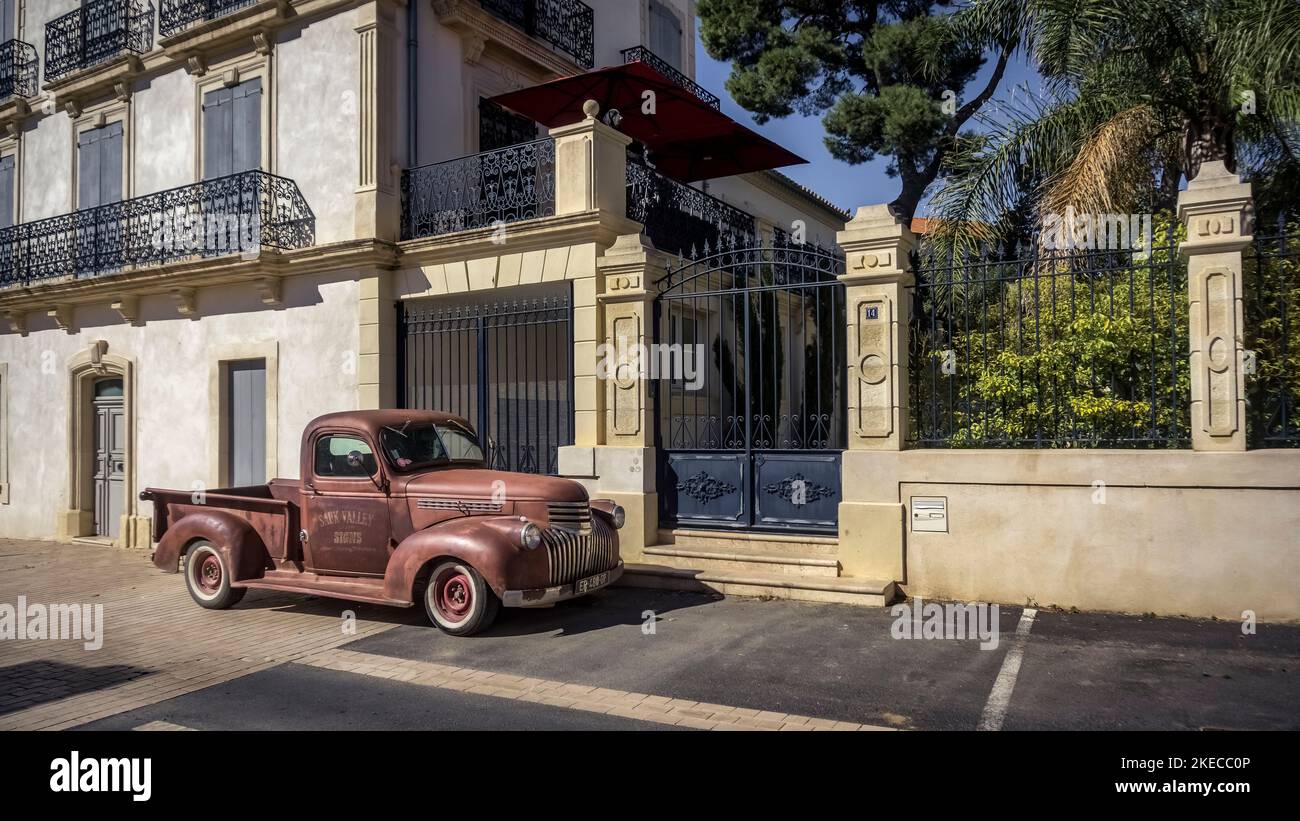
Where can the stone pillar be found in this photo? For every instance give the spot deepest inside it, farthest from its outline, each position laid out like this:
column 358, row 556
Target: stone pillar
column 877, row 247
column 590, row 166
column 621, row 462
column 378, row 201
column 1214, row 210
column 376, row 360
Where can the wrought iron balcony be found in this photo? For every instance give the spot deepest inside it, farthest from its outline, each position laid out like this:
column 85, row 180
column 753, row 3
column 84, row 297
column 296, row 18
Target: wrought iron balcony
column 178, row 15
column 241, row 213
column 99, row 31
column 683, row 220
column 18, row 69
column 505, row 185
column 641, row 54
column 569, row 25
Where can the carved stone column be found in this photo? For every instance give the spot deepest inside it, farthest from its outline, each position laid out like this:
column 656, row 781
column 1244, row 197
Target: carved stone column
column 1214, row 209
column 378, row 200
column 877, row 247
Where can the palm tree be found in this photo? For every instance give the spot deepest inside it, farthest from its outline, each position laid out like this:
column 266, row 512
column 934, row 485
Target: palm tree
column 1138, row 95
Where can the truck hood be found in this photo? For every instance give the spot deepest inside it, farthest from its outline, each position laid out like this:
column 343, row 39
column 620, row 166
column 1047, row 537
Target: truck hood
column 481, row 483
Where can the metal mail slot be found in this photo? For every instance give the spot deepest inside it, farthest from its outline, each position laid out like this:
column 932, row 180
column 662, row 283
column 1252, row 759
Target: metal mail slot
column 930, row 514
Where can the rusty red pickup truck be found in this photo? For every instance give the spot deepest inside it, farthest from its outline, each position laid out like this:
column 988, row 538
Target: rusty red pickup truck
column 394, row 507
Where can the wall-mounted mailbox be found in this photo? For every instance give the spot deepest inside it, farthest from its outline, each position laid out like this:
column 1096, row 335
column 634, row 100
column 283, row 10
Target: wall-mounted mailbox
column 930, row 514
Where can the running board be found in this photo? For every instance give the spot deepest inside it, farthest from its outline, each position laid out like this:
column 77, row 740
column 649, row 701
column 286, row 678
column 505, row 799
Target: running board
column 366, row 593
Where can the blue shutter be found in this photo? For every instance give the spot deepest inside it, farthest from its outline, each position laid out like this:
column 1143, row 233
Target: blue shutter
column 8, row 20
column 218, row 121
column 246, row 421
column 6, row 191
column 665, row 34
column 88, row 168
column 110, row 164
column 247, row 130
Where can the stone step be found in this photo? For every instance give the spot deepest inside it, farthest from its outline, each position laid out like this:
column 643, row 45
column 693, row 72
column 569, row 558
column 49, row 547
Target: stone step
column 764, row 585
column 722, row 541
column 757, row 558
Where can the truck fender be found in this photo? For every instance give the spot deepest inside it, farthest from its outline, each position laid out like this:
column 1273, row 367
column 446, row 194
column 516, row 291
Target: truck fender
column 483, row 542
column 234, row 538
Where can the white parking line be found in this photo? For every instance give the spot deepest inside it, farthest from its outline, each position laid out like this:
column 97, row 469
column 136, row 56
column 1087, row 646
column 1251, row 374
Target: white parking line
column 995, row 709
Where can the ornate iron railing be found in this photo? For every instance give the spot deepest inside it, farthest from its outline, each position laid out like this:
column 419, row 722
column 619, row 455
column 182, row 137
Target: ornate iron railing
column 1272, row 291
column 569, row 25
column 644, row 55
column 1051, row 349
column 18, row 69
column 177, row 15
column 240, row 213
column 95, row 33
column 506, row 185
column 680, row 219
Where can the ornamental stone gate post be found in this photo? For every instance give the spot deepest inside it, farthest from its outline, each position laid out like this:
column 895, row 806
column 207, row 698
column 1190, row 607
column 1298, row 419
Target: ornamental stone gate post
column 1214, row 209
column 877, row 247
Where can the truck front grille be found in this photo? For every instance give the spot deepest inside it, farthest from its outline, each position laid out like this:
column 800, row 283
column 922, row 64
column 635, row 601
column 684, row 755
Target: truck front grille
column 574, row 556
column 571, row 516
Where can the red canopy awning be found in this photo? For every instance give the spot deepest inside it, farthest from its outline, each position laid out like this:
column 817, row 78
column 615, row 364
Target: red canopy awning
column 688, row 139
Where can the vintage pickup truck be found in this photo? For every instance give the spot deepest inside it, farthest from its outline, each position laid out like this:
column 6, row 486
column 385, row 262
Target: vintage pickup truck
column 394, row 507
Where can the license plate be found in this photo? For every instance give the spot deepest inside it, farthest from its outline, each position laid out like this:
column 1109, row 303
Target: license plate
column 590, row 583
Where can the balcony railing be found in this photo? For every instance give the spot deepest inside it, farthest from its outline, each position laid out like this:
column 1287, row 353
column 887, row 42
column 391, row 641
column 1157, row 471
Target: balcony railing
column 569, row 25
column 18, row 69
column 683, row 220
column 99, row 31
column 177, row 15
column 240, row 213
column 505, row 185
column 641, row 54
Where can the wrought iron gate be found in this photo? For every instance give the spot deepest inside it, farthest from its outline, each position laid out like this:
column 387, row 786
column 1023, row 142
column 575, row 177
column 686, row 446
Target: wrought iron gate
column 505, row 366
column 751, row 429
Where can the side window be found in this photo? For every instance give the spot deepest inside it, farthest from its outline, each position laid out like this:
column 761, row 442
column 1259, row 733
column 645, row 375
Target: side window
column 665, row 34
column 99, row 166
column 232, row 129
column 6, row 190
column 344, row 456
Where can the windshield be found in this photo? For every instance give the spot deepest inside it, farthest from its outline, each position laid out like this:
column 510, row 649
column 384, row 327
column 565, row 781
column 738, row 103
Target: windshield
column 414, row 447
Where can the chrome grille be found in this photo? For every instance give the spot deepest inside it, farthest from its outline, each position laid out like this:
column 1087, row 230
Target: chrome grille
column 574, row 556
column 454, row 504
column 571, row 516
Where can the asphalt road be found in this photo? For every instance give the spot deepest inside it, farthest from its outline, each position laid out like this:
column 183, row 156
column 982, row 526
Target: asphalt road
column 1076, row 671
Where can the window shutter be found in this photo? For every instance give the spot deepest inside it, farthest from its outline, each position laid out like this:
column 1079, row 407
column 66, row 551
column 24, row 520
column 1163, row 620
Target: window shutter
column 8, row 20
column 246, row 434
column 7, row 191
column 247, row 131
column 88, row 168
column 218, row 126
column 665, row 34
column 110, row 164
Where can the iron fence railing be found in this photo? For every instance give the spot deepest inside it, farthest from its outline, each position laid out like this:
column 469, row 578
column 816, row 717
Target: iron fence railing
column 178, row 15
column 506, row 185
column 683, row 220
column 644, row 55
column 235, row 214
column 18, row 69
column 568, row 25
column 97, row 32
column 1049, row 349
column 1271, row 293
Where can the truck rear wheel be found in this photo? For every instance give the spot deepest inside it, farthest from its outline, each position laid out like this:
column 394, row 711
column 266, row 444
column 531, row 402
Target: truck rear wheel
column 208, row 578
column 458, row 600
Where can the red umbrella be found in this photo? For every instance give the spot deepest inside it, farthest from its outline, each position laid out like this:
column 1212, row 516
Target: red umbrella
column 688, row 139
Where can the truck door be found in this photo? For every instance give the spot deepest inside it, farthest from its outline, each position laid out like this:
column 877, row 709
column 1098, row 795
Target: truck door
column 345, row 508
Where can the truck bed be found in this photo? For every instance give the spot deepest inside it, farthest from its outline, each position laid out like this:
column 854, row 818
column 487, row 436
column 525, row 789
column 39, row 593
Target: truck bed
column 272, row 510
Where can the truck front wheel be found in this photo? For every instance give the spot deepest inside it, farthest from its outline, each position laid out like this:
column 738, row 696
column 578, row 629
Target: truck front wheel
column 458, row 600
column 208, row 578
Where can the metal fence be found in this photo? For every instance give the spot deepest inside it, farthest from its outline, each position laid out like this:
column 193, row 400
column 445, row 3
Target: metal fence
column 1051, row 349
column 506, row 185
column 177, row 15
column 95, row 33
column 683, row 220
column 18, row 69
column 1270, row 294
column 569, row 25
column 234, row 214
column 641, row 54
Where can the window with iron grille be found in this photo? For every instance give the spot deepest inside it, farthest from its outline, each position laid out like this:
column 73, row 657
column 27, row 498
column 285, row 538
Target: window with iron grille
column 498, row 128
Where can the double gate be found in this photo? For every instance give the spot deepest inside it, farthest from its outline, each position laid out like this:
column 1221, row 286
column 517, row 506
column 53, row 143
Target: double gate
column 504, row 365
column 752, row 426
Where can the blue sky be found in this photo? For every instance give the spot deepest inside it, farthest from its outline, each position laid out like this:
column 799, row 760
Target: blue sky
column 848, row 186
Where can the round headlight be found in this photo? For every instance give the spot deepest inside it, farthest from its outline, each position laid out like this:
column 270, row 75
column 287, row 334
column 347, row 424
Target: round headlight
column 530, row 537
column 619, row 515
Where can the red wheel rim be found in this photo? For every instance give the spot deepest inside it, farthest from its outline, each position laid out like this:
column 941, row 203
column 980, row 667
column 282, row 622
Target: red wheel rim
column 453, row 594
column 207, row 574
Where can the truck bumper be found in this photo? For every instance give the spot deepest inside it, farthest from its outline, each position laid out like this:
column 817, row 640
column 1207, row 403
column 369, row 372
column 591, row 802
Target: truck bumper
column 542, row 596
